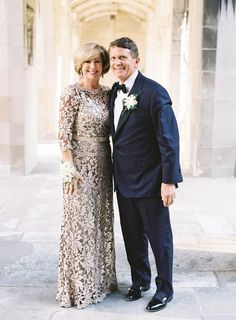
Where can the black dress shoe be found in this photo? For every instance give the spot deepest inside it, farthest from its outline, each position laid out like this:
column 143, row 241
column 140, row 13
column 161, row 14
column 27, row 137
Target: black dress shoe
column 158, row 304
column 135, row 293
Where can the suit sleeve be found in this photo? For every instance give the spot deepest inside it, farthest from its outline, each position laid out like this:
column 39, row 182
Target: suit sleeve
column 167, row 135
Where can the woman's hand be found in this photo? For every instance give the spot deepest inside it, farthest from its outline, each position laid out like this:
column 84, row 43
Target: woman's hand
column 70, row 175
column 72, row 186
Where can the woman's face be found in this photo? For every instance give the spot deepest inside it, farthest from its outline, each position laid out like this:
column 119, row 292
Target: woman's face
column 92, row 69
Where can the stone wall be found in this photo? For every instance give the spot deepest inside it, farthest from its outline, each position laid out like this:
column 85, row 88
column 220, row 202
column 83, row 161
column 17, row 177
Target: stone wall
column 18, row 116
column 216, row 139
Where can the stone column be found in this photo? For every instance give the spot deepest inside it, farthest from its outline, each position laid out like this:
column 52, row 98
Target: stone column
column 159, row 41
column 189, row 85
column 53, row 64
column 179, row 34
column 216, row 139
column 68, row 43
column 46, row 59
column 224, row 125
column 18, row 123
column 4, row 99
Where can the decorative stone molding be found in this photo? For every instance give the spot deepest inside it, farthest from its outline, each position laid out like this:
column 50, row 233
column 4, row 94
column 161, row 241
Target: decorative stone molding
column 29, row 30
column 2, row 12
column 89, row 10
column 226, row 2
column 30, row 18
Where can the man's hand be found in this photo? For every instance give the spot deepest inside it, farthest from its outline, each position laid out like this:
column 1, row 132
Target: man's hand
column 167, row 194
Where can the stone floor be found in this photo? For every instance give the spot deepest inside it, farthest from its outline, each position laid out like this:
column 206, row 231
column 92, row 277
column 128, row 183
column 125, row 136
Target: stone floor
column 204, row 226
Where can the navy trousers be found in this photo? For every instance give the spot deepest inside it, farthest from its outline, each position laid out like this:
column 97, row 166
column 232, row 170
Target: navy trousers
column 144, row 219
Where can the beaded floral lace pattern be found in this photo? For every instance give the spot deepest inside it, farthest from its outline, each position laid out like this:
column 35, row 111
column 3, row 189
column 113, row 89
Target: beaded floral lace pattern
column 87, row 257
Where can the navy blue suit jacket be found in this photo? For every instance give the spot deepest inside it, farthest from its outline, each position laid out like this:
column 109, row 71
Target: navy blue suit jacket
column 146, row 142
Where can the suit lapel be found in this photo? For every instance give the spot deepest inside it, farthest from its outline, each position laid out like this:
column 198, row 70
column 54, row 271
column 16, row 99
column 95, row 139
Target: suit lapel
column 136, row 89
column 123, row 118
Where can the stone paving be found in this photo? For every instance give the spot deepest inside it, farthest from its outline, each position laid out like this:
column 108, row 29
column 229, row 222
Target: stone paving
column 204, row 226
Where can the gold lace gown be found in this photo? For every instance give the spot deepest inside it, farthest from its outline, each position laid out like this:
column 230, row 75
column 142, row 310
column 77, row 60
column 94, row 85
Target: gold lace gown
column 87, row 259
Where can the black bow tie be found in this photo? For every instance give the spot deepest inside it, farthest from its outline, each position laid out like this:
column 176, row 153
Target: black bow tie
column 121, row 87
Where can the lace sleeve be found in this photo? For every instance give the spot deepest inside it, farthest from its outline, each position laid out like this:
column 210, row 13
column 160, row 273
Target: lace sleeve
column 67, row 114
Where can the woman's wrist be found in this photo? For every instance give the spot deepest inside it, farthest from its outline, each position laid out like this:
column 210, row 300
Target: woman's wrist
column 68, row 172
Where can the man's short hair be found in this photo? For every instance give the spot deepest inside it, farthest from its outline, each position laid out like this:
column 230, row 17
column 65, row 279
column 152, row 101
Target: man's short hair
column 126, row 43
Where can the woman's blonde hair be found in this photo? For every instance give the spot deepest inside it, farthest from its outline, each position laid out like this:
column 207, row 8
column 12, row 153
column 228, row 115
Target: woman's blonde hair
column 90, row 51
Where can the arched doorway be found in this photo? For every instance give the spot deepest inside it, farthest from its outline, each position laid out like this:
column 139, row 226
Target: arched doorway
column 103, row 21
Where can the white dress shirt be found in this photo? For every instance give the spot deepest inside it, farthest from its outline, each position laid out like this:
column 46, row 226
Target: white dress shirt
column 118, row 107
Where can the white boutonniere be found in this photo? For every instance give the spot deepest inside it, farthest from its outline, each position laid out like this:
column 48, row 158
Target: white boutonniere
column 130, row 103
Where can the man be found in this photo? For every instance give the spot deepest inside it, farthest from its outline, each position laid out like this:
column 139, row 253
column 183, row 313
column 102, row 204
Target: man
column 146, row 171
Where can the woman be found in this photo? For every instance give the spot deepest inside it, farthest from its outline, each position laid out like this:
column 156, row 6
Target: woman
column 87, row 257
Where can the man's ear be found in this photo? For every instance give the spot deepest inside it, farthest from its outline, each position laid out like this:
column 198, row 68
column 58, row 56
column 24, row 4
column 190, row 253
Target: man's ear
column 137, row 60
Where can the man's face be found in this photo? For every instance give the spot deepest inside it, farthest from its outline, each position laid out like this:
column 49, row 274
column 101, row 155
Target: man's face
column 122, row 63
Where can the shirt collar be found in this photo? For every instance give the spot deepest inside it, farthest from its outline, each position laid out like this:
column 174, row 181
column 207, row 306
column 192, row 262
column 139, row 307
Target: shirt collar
column 130, row 81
